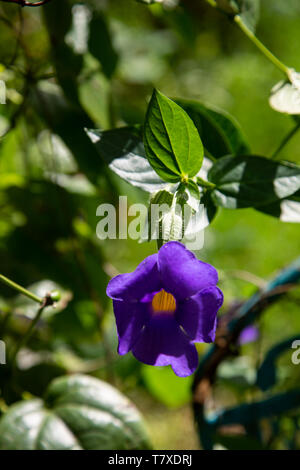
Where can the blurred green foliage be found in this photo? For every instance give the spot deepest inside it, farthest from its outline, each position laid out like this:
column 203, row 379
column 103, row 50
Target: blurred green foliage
column 69, row 66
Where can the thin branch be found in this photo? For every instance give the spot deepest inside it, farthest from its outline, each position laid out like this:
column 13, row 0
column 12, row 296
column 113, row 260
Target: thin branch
column 46, row 302
column 286, row 140
column 24, row 3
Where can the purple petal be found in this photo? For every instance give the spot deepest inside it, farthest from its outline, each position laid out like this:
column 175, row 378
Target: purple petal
column 248, row 335
column 130, row 319
column 182, row 274
column 134, row 286
column 198, row 314
column 162, row 343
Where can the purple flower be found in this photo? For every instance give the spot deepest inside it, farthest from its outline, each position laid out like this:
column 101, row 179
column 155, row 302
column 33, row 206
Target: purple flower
column 248, row 335
column 168, row 303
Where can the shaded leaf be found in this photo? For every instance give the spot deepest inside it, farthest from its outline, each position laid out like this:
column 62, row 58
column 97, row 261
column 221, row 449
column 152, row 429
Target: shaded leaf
column 79, row 412
column 100, row 44
column 220, row 133
column 287, row 210
column 68, row 63
column 250, row 181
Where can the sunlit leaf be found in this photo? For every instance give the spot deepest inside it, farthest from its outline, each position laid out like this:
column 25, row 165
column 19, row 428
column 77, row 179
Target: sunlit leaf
column 123, row 151
column 172, row 143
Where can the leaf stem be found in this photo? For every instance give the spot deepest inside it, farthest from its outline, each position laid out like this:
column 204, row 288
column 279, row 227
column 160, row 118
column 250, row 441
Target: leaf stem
column 20, row 289
column 205, row 184
column 267, row 53
column 286, row 139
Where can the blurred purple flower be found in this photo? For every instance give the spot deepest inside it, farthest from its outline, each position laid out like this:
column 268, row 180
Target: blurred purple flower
column 168, row 303
column 248, row 335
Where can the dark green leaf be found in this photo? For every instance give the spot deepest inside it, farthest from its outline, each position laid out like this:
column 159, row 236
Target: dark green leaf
column 79, row 412
column 220, row 133
column 68, row 63
column 287, row 210
column 251, row 181
column 124, row 152
column 172, row 143
column 100, row 44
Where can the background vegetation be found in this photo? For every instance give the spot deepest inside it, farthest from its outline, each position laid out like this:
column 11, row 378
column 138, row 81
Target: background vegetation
column 52, row 180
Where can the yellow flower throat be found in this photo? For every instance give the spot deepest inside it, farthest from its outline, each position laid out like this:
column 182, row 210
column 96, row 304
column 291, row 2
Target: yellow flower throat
column 163, row 302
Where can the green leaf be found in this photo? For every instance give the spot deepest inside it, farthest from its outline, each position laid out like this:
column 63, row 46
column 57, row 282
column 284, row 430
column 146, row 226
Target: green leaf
column 172, row 143
column 220, row 133
column 285, row 98
column 79, row 412
column 123, row 150
column 100, row 44
column 250, row 181
column 166, row 387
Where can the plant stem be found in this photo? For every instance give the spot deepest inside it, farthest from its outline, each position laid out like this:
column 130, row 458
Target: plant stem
column 29, row 332
column 268, row 54
column 205, row 184
column 20, row 289
column 159, row 244
column 286, row 139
